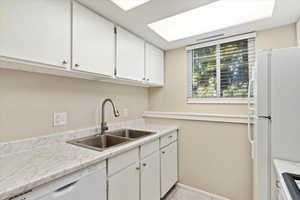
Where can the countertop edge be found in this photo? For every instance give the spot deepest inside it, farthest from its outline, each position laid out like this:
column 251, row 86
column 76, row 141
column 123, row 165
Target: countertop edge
column 113, row 152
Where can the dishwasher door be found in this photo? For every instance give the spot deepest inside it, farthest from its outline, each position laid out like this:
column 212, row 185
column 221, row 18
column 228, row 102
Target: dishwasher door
column 87, row 184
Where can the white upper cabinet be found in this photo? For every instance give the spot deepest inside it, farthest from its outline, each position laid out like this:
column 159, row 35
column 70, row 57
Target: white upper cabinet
column 154, row 60
column 36, row 30
column 130, row 56
column 93, row 42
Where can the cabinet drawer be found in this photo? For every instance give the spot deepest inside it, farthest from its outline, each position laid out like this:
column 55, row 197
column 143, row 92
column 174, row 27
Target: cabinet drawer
column 149, row 148
column 123, row 160
column 168, row 139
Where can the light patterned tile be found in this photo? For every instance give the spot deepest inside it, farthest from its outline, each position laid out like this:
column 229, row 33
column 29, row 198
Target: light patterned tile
column 184, row 194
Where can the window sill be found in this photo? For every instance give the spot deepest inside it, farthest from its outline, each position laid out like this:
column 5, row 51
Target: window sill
column 218, row 100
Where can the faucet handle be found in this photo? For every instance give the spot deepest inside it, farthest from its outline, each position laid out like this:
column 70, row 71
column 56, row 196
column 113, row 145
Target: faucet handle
column 104, row 127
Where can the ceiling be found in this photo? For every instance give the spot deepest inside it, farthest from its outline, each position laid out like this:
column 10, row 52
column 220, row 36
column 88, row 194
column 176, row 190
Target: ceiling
column 137, row 19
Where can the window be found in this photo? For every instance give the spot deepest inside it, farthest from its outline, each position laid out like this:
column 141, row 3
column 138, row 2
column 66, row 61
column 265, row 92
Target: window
column 221, row 72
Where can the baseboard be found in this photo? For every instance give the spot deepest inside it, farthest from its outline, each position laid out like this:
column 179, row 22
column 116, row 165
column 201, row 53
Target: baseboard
column 207, row 195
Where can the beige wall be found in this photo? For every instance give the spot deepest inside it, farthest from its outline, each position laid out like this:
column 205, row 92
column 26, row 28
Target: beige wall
column 281, row 37
column 214, row 157
column 173, row 96
column 28, row 100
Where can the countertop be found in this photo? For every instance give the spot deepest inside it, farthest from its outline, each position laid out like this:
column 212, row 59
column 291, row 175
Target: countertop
column 283, row 166
column 30, row 163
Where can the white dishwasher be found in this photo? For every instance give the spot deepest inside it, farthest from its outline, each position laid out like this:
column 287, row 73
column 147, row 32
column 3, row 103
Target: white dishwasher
column 86, row 184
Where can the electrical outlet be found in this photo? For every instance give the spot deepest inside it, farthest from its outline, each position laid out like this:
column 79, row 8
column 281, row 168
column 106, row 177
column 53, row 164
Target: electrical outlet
column 60, row 119
column 125, row 112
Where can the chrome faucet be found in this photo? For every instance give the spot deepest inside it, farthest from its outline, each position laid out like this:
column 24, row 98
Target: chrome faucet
column 104, row 126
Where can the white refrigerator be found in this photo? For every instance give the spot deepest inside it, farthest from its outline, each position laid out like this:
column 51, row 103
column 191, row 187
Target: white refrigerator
column 276, row 111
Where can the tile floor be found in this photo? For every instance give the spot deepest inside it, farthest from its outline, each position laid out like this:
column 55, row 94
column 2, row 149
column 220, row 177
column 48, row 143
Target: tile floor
column 179, row 193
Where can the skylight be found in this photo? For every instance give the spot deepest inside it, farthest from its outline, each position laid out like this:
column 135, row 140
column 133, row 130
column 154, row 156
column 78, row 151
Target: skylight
column 129, row 4
column 215, row 16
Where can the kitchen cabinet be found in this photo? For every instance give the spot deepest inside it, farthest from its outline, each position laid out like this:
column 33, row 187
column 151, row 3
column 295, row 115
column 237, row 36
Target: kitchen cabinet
column 154, row 65
column 93, row 42
column 150, row 181
column 38, row 31
column 149, row 148
column 130, row 61
column 168, row 139
column 122, row 161
column 125, row 184
column 168, row 160
column 138, row 181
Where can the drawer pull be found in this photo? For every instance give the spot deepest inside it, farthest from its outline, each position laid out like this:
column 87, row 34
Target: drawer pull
column 170, row 136
column 163, row 152
column 65, row 187
column 137, row 168
column 144, row 164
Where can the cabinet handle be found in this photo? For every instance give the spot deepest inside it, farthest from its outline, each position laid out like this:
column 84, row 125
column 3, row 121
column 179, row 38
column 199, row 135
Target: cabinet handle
column 137, row 168
column 170, row 136
column 76, row 65
column 144, row 78
column 148, row 79
column 63, row 188
column 163, row 152
column 144, row 164
column 64, row 62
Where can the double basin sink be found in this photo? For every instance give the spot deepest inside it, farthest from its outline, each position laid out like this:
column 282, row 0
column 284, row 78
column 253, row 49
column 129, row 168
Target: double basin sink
column 110, row 139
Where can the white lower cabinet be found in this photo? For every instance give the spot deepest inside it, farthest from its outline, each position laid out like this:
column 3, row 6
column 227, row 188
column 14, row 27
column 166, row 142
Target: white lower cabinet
column 169, row 174
column 125, row 184
column 150, row 181
column 140, row 181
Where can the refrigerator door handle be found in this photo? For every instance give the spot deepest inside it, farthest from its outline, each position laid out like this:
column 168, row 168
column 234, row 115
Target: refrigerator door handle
column 250, row 113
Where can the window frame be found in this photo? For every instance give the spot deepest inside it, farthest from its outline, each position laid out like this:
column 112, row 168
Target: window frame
column 213, row 100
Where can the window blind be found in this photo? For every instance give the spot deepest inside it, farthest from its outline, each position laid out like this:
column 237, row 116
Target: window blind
column 222, row 70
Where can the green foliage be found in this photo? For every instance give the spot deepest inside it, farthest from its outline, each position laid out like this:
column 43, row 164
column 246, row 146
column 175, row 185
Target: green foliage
column 234, row 69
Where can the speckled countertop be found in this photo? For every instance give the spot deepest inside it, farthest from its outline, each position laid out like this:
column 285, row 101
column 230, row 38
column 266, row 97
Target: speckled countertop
column 29, row 163
column 283, row 166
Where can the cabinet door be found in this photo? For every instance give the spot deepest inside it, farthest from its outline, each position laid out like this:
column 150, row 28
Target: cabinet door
column 130, row 56
column 150, row 177
column 93, row 42
column 154, row 58
column 36, row 31
column 125, row 184
column 168, row 167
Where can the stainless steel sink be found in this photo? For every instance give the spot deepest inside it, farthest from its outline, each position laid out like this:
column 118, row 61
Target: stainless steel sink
column 100, row 142
column 128, row 133
column 110, row 139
